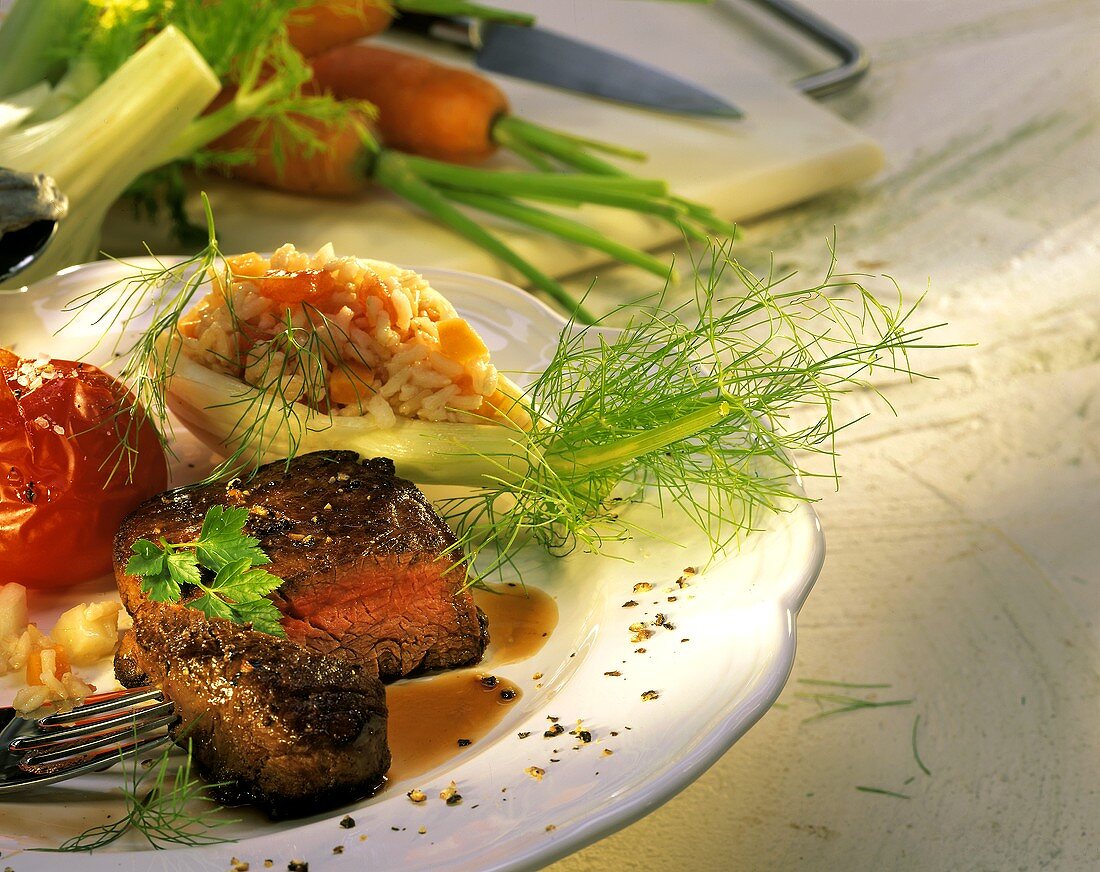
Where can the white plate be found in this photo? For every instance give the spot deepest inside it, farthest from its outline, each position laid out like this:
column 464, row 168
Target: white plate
column 716, row 673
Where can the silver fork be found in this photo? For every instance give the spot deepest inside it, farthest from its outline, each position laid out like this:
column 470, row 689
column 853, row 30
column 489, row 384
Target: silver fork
column 88, row 738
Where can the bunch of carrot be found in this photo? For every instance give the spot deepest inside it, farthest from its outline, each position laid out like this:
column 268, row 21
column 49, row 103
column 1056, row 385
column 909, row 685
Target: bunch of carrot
column 431, row 123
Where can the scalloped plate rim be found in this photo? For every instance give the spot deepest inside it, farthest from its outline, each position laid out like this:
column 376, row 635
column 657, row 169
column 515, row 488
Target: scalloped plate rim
column 733, row 718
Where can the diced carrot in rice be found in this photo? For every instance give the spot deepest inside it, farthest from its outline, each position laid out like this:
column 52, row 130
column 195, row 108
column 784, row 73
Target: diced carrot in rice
column 458, row 341
column 64, row 692
column 250, row 265
column 391, row 344
column 301, row 286
column 47, row 662
column 350, row 383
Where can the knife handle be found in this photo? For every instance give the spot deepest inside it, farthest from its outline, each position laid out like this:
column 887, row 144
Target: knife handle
column 464, row 32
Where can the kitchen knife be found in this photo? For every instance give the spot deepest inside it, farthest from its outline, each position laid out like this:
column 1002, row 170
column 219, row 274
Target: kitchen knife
column 551, row 58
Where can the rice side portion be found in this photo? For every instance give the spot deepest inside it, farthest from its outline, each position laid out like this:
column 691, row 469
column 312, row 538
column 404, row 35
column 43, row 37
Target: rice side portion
column 381, row 342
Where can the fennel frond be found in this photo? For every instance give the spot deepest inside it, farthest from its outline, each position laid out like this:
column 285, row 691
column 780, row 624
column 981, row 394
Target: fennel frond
column 158, row 295
column 701, row 406
column 167, row 808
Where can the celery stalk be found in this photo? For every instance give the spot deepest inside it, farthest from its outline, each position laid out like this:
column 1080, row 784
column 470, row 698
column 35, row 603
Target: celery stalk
column 94, row 150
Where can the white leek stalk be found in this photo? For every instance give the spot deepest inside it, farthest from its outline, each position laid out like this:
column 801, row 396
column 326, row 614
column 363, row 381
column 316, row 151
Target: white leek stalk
column 217, row 409
column 94, row 150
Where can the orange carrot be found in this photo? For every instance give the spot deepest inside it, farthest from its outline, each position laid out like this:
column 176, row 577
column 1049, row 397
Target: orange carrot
column 317, row 28
column 348, row 162
column 459, row 342
column 439, row 112
column 337, row 168
column 350, row 383
column 35, row 667
column 424, row 108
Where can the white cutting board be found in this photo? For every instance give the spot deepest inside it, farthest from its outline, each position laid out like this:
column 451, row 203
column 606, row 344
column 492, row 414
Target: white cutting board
column 786, row 149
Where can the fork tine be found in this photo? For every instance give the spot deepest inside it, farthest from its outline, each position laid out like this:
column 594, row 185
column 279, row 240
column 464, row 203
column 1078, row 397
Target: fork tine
column 53, row 762
column 102, row 759
column 109, row 703
column 135, row 719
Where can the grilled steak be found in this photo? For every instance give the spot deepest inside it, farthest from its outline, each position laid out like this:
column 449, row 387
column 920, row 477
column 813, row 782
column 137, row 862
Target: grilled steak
column 361, row 552
column 290, row 730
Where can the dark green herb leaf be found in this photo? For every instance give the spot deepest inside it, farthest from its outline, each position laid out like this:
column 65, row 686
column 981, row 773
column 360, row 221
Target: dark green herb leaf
column 228, row 575
column 223, row 521
column 182, row 568
column 262, row 614
column 236, row 581
column 223, row 540
column 161, row 589
column 237, row 590
column 148, row 558
column 212, row 607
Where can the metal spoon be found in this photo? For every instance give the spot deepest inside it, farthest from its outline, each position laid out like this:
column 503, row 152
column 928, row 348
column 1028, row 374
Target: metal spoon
column 20, row 248
column 30, row 208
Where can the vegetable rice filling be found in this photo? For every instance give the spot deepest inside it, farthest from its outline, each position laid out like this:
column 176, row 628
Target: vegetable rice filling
column 347, row 336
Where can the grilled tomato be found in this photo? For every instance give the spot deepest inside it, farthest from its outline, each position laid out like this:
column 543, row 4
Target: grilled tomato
column 65, row 480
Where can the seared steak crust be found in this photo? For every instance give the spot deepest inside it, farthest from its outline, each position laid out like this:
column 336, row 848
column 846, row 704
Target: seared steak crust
column 361, row 551
column 290, row 730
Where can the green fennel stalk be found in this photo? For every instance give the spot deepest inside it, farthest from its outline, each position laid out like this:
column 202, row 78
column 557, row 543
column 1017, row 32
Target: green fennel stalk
column 698, row 406
column 701, row 406
column 93, row 150
column 29, row 41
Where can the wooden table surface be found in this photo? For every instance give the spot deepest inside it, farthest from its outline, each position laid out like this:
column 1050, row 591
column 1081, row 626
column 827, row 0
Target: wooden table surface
column 964, row 540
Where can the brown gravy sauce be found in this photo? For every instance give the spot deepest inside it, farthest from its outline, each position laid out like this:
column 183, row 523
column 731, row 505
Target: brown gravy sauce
column 520, row 621
column 430, row 716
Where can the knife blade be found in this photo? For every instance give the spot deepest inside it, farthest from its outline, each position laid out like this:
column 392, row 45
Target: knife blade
column 551, row 58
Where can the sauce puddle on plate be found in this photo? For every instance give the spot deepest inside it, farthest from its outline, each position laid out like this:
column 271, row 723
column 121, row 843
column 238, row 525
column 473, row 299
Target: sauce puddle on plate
column 435, row 717
column 519, row 622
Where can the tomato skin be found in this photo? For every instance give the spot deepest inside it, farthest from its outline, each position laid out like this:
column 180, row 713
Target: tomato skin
column 60, row 505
